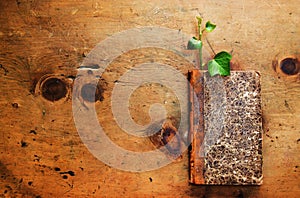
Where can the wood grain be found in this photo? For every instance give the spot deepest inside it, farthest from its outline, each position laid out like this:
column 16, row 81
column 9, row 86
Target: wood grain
column 42, row 154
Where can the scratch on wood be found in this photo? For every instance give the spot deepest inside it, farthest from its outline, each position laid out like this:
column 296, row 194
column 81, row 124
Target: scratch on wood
column 4, row 69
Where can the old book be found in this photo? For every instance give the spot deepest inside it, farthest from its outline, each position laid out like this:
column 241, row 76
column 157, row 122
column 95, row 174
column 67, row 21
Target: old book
column 226, row 129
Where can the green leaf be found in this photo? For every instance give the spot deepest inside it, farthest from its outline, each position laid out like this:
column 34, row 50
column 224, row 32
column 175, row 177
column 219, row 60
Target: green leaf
column 220, row 64
column 209, row 27
column 194, row 43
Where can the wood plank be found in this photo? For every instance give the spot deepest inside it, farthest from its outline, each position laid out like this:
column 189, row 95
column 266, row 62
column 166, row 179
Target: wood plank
column 53, row 37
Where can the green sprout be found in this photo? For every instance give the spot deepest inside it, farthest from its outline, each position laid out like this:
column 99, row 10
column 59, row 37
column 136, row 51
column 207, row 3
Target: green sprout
column 220, row 64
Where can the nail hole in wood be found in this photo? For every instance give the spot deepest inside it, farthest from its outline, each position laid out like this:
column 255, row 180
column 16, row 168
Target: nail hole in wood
column 53, row 89
column 15, row 105
column 290, row 66
column 91, row 92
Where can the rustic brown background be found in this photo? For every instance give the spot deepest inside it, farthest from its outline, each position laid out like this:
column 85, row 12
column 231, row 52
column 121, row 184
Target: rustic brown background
column 40, row 147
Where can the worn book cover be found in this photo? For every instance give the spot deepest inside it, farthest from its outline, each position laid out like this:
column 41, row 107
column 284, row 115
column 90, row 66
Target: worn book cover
column 226, row 128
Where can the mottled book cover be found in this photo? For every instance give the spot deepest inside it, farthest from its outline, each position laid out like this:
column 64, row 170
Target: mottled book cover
column 226, row 129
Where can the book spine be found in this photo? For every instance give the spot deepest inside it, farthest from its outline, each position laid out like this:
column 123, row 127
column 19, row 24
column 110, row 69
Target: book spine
column 196, row 126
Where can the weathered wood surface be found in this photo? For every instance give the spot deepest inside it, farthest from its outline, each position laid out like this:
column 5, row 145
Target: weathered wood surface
column 41, row 151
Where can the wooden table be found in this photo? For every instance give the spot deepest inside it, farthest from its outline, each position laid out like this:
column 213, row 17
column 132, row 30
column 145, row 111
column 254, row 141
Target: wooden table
column 42, row 154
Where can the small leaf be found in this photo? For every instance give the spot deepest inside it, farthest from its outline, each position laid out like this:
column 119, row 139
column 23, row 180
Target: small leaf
column 199, row 19
column 194, row 43
column 209, row 27
column 220, row 64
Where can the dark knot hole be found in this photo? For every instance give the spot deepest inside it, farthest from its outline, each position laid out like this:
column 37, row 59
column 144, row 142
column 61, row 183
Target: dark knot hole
column 289, row 66
column 54, row 89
